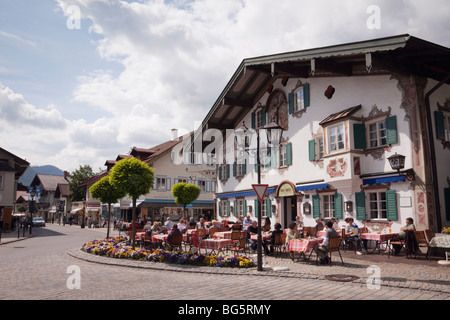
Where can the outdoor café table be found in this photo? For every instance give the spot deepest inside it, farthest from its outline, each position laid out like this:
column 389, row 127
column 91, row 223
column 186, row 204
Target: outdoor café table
column 264, row 236
column 214, row 244
column 441, row 240
column 322, row 233
column 379, row 239
column 226, row 234
column 302, row 246
column 159, row 238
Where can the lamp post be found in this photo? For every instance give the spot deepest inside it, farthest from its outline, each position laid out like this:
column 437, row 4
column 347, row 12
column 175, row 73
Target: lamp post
column 268, row 129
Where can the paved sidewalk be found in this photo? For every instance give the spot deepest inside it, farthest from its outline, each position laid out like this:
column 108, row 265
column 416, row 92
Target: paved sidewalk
column 395, row 271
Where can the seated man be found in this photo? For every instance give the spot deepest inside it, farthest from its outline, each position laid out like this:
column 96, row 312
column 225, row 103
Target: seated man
column 402, row 234
column 174, row 231
column 322, row 249
column 252, row 230
column 353, row 236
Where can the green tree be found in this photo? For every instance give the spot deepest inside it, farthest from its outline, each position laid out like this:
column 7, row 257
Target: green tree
column 185, row 193
column 134, row 178
column 77, row 177
column 106, row 193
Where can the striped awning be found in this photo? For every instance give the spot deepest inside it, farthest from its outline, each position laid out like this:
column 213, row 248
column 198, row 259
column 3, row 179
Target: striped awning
column 242, row 194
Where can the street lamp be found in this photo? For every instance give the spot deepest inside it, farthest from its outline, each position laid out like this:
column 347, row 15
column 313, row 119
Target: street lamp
column 397, row 162
column 268, row 128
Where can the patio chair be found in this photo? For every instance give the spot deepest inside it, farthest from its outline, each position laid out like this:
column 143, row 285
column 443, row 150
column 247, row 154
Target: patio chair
column 422, row 241
column 212, row 231
column 239, row 246
column 408, row 244
column 334, row 245
column 176, row 242
column 347, row 242
column 147, row 241
column 279, row 242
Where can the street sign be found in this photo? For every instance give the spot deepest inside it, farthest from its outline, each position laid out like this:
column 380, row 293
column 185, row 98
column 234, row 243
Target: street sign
column 260, row 190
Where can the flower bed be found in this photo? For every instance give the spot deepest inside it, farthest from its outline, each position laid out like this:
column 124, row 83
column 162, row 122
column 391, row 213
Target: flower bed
column 115, row 248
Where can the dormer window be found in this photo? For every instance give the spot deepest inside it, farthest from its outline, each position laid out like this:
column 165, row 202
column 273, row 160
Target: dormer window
column 336, row 138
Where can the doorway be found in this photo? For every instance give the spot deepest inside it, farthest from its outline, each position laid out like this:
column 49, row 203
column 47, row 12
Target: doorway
column 289, row 210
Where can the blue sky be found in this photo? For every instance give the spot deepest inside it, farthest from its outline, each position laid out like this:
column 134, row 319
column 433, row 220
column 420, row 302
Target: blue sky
column 136, row 69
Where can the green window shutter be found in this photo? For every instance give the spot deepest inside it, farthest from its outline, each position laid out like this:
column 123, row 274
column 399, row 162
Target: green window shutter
column 360, row 203
column 256, row 207
column 269, row 207
column 359, row 135
column 312, row 150
column 306, row 94
column 235, row 208
column 338, row 206
column 234, row 169
column 391, row 205
column 220, row 208
column 263, row 118
column 227, row 173
column 316, row 206
column 269, row 158
column 244, row 207
column 291, row 102
column 253, row 120
column 391, row 130
column 244, row 168
column 440, row 126
column 447, row 203
column 220, row 173
column 228, row 208
column 289, row 154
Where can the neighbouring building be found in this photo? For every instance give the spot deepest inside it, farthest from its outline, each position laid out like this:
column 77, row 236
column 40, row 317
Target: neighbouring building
column 11, row 168
column 344, row 111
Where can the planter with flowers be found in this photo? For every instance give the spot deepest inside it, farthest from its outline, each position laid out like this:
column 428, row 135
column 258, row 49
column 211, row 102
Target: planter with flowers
column 116, row 248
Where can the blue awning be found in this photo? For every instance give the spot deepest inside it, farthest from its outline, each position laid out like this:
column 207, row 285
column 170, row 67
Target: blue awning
column 383, row 180
column 242, row 194
column 312, row 187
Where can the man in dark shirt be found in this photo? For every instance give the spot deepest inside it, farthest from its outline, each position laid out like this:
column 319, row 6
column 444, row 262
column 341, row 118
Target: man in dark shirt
column 252, row 230
column 271, row 240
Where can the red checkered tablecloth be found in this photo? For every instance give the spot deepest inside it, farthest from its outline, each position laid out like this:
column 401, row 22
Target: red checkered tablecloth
column 303, row 245
column 215, row 244
column 159, row 238
column 254, row 237
column 226, row 234
column 380, row 237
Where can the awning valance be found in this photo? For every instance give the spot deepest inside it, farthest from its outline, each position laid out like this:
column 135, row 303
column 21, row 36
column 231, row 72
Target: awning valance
column 242, row 194
column 312, row 187
column 383, row 180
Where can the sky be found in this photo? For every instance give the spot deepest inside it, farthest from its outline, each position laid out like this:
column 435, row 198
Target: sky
column 82, row 81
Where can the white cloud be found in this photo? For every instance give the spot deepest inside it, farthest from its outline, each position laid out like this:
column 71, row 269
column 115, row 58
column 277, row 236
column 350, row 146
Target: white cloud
column 177, row 57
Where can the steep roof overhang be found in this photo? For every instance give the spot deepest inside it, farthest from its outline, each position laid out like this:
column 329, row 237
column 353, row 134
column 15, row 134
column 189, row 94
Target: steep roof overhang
column 255, row 76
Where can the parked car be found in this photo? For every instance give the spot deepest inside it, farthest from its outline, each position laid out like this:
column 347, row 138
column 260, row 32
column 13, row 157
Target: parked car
column 38, row 222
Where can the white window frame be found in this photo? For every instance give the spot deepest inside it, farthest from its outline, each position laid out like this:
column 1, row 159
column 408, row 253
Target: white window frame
column 258, row 118
column 223, row 203
column 202, row 185
column 299, row 99
column 376, row 138
column 336, row 135
column 264, row 208
column 328, row 208
column 159, row 183
column 282, row 156
column 319, row 148
column 378, row 203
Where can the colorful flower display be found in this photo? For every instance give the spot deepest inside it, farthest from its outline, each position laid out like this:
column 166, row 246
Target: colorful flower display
column 116, row 248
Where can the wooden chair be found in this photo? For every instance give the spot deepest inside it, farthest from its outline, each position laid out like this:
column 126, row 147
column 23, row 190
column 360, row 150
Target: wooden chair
column 278, row 242
column 429, row 234
column 239, row 246
column 334, row 245
column 212, row 231
column 363, row 230
column 176, row 242
column 147, row 241
column 236, row 238
column 347, row 241
column 408, row 244
column 422, row 241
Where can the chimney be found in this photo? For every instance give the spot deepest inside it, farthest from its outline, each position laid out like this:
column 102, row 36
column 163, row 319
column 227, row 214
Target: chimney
column 174, row 134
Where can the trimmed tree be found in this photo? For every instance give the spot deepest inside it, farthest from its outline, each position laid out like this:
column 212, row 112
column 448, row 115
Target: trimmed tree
column 106, row 193
column 185, row 193
column 134, row 178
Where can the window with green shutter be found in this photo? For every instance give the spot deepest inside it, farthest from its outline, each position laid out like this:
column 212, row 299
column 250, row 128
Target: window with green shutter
column 268, row 208
column 228, row 209
column 316, row 206
column 312, row 150
column 440, row 125
column 338, row 211
column 391, row 205
column 289, row 154
column 359, row 135
column 235, row 208
column 360, row 204
column 447, row 203
column 256, row 207
column 391, row 130
column 299, row 98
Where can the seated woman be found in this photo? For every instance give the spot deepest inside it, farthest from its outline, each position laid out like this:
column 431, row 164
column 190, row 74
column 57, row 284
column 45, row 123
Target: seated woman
column 271, row 241
column 292, row 232
column 173, row 231
column 156, row 230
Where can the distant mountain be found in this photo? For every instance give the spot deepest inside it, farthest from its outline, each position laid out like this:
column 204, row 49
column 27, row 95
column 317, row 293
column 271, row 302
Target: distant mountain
column 29, row 174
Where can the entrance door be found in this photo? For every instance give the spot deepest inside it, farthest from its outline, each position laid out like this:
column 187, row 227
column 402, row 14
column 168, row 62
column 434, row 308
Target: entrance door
column 289, row 210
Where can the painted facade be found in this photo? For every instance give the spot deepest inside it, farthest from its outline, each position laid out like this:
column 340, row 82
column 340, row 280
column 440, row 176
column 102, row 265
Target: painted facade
column 338, row 133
